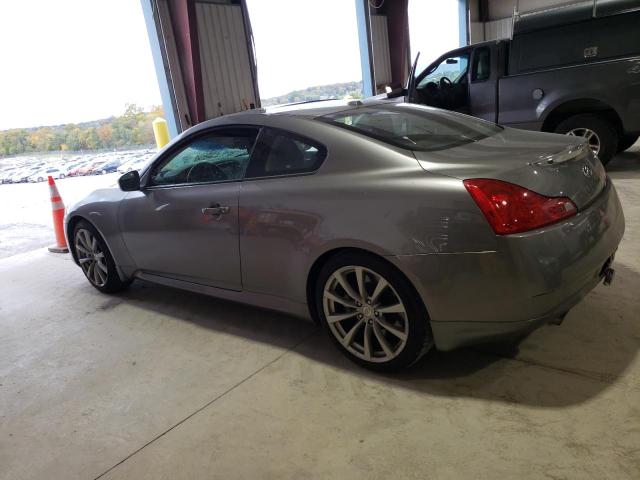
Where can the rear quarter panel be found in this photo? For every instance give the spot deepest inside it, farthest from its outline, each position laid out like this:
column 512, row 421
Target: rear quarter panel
column 614, row 82
column 365, row 195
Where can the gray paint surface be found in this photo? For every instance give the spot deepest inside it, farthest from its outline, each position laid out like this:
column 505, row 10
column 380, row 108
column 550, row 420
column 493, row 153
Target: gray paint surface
column 415, row 212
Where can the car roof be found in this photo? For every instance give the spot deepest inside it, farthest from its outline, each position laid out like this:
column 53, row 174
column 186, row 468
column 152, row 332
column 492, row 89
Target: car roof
column 308, row 110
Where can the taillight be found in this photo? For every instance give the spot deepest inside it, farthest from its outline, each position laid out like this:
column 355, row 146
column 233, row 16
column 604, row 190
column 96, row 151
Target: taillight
column 511, row 208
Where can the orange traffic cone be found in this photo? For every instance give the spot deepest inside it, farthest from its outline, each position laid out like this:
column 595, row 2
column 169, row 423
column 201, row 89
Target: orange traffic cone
column 58, row 219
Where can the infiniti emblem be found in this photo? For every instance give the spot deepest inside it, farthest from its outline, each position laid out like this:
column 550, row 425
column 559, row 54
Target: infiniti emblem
column 586, row 171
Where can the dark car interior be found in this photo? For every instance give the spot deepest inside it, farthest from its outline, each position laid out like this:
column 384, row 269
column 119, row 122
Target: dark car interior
column 444, row 84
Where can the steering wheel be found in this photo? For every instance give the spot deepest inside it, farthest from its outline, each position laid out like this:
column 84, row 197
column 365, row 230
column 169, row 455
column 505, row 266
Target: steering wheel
column 205, row 172
column 445, row 81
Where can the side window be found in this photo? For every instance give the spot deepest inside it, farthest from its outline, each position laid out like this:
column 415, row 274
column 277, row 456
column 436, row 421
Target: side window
column 283, row 153
column 481, row 70
column 453, row 68
column 216, row 156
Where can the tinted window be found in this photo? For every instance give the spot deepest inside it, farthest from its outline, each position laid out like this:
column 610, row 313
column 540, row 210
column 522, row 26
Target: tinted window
column 283, row 153
column 414, row 127
column 213, row 157
column 481, row 70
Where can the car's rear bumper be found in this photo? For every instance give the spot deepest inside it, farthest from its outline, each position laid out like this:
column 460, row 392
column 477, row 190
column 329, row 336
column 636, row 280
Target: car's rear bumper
column 530, row 279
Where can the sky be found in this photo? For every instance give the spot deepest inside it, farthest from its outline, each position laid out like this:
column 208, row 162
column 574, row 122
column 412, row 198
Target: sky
column 72, row 60
column 302, row 43
column 80, row 60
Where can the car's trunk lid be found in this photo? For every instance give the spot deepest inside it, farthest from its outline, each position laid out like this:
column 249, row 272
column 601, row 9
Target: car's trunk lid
column 549, row 164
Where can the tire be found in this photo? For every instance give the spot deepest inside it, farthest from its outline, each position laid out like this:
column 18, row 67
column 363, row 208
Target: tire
column 62, row 176
column 626, row 141
column 103, row 275
column 605, row 133
column 405, row 331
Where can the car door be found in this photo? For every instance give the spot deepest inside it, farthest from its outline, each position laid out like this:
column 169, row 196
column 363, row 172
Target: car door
column 183, row 224
column 483, row 84
column 444, row 84
column 275, row 227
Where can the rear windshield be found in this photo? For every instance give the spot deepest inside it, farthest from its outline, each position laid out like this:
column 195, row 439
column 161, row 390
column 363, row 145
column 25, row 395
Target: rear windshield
column 414, row 127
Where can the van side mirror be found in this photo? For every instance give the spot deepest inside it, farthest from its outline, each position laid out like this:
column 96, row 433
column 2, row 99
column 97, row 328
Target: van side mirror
column 130, row 181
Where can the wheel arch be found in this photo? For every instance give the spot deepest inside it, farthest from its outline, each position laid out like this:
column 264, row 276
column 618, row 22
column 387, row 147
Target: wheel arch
column 71, row 225
column 314, row 271
column 561, row 111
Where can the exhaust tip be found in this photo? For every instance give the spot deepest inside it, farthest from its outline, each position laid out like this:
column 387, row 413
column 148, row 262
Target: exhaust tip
column 609, row 274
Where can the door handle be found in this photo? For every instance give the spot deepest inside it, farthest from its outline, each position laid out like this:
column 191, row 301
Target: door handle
column 216, row 210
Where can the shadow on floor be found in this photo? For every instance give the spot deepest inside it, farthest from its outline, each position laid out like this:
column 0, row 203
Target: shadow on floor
column 558, row 367
column 625, row 165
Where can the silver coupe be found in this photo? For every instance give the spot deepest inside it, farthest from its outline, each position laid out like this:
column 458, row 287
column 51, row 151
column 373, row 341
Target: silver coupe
column 398, row 227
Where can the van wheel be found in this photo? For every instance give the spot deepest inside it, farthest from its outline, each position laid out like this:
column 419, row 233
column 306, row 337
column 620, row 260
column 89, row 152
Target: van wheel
column 626, row 141
column 601, row 135
column 371, row 312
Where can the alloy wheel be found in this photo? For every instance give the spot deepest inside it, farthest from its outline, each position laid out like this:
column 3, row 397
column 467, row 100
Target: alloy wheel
column 365, row 314
column 91, row 257
column 592, row 138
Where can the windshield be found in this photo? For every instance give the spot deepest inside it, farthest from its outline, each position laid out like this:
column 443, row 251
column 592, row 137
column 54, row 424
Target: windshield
column 414, row 127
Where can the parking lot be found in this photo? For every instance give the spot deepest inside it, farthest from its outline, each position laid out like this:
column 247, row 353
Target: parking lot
column 159, row 383
column 26, row 222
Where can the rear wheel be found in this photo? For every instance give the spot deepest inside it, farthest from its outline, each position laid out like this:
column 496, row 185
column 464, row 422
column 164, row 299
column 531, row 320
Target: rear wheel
column 599, row 133
column 96, row 260
column 626, row 141
column 371, row 312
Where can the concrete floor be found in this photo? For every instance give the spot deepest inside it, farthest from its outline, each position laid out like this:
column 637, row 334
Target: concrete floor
column 156, row 383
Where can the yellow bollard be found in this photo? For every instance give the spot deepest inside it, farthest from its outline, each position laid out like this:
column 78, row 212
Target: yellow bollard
column 161, row 132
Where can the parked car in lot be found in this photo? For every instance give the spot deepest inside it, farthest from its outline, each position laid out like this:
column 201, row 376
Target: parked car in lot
column 22, row 175
column 68, row 169
column 396, row 226
column 90, row 167
column 134, row 164
column 565, row 71
column 6, row 175
column 110, row 166
column 40, row 175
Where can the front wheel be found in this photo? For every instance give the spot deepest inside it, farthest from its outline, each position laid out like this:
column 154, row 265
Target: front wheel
column 95, row 259
column 372, row 313
column 597, row 131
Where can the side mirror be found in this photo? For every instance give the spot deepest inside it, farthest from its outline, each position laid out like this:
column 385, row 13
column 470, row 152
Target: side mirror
column 452, row 61
column 130, row 181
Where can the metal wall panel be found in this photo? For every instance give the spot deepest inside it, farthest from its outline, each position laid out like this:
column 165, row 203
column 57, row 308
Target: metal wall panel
column 226, row 70
column 476, row 30
column 173, row 66
column 499, row 9
column 497, row 29
column 381, row 55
